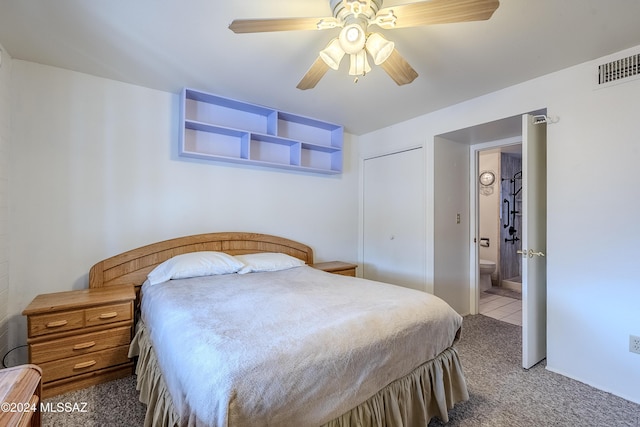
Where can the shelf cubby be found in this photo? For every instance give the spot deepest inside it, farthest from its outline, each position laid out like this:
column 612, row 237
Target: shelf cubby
column 309, row 130
column 208, row 108
column 321, row 157
column 270, row 149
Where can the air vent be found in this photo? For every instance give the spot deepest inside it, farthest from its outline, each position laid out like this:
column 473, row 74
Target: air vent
column 619, row 69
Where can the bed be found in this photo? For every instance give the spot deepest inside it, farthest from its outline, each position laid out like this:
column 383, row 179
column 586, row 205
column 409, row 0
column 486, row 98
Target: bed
column 291, row 345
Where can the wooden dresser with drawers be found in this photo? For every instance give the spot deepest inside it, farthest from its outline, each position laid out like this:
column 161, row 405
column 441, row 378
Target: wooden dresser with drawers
column 80, row 338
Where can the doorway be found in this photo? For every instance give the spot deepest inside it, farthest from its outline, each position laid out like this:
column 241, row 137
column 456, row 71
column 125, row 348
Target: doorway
column 504, row 132
column 499, row 205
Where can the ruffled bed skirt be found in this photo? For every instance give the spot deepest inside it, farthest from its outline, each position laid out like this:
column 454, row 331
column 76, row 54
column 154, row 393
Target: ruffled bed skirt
column 429, row 391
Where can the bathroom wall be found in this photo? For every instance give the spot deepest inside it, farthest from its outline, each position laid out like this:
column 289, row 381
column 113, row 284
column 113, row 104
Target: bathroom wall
column 509, row 260
column 489, row 208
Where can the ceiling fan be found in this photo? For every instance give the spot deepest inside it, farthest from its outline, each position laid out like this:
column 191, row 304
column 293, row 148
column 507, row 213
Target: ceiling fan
column 355, row 17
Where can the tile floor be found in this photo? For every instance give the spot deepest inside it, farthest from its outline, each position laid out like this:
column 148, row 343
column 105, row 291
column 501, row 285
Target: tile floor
column 502, row 308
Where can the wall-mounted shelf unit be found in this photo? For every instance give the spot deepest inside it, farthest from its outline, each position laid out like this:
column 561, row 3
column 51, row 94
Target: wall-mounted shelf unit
column 217, row 128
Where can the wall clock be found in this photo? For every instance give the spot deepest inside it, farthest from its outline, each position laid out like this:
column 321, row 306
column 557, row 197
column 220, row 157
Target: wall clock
column 487, row 178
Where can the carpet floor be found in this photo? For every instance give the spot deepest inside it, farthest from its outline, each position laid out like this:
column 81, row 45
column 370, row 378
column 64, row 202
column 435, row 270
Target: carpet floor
column 502, row 394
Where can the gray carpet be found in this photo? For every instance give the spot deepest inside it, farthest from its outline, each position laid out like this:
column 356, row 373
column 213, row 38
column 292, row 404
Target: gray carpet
column 502, row 393
column 112, row 404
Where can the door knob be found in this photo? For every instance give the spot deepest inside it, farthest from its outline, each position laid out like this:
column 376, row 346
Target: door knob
column 524, row 253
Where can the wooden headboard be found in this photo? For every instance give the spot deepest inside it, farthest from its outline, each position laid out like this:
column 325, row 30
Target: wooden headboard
column 132, row 267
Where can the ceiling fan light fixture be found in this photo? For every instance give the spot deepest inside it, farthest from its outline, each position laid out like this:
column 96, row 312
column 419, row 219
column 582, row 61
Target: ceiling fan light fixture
column 379, row 48
column 352, row 38
column 332, row 54
column 359, row 64
column 352, row 34
column 355, row 17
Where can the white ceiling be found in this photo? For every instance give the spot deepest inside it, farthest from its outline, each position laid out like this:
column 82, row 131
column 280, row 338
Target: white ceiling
column 169, row 44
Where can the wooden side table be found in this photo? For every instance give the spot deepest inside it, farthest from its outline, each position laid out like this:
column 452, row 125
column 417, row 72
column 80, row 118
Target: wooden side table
column 81, row 338
column 20, row 395
column 337, row 267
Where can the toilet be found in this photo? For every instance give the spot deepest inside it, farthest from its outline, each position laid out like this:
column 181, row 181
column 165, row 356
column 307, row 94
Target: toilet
column 486, row 270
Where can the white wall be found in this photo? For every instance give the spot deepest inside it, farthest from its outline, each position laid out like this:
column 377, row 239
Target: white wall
column 593, row 206
column 489, row 205
column 5, row 127
column 94, row 173
column 450, row 238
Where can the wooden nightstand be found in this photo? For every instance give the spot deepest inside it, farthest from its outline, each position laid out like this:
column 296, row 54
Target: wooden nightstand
column 337, row 267
column 81, row 338
column 20, row 390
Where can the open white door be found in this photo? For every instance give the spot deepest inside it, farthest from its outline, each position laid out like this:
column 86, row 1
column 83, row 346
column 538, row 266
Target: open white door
column 534, row 241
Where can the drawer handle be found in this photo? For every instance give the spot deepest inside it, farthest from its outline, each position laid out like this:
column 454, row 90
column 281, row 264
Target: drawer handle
column 109, row 315
column 57, row 324
column 84, row 345
column 84, row 364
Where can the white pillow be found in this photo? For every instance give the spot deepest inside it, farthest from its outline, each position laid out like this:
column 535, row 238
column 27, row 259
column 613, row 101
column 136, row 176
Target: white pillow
column 194, row 264
column 267, row 261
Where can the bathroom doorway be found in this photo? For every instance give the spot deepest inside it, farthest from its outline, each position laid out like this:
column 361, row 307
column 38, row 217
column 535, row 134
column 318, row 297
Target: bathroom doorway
column 499, row 203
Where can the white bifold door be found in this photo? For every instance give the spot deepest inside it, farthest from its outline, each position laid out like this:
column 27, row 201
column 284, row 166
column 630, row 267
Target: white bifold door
column 394, row 219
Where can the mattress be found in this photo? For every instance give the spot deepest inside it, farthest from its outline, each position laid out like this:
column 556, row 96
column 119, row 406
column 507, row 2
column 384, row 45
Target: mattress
column 295, row 347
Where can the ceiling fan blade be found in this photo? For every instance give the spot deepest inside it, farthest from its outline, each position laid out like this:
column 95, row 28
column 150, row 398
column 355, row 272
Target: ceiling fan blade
column 313, row 76
column 278, row 24
column 398, row 69
column 440, row 12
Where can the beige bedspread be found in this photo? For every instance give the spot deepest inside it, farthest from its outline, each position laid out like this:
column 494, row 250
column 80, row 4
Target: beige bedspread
column 297, row 347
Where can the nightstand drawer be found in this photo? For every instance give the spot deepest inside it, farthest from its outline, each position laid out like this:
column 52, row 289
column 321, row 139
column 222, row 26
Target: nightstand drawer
column 56, row 322
column 64, row 368
column 78, row 345
column 337, row 267
column 108, row 314
column 349, row 272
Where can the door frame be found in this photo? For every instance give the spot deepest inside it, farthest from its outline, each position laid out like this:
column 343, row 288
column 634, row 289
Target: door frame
column 474, row 228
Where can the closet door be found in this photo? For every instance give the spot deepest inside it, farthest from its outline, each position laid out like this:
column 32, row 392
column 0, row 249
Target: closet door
column 394, row 219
